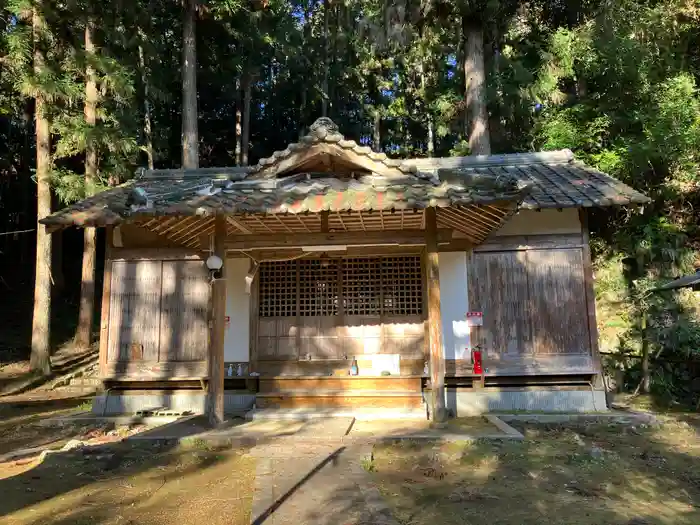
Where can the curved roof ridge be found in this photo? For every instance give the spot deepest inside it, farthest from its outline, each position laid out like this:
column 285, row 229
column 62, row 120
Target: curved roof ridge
column 325, row 131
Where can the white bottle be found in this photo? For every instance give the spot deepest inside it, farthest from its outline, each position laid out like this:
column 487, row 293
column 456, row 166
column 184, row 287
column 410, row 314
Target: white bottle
column 239, row 371
column 230, row 370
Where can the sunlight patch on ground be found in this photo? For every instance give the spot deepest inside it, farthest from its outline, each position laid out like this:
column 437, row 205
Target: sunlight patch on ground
column 582, row 474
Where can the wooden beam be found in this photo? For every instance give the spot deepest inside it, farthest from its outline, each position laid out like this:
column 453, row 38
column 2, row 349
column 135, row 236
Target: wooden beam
column 324, row 221
column 106, row 297
column 215, row 394
column 458, row 245
column 393, row 237
column 531, row 242
column 162, row 254
column 437, row 359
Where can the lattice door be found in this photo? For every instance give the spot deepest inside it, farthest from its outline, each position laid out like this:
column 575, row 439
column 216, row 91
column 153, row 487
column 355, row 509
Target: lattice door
column 339, row 308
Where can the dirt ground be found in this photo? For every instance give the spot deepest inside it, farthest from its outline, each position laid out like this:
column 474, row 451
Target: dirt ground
column 20, row 422
column 575, row 475
column 114, row 482
column 127, row 484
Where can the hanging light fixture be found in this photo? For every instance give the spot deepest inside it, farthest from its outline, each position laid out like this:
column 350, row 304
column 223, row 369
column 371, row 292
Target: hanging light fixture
column 214, row 263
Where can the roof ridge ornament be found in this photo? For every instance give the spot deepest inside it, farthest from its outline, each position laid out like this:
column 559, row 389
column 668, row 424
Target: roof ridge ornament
column 322, row 127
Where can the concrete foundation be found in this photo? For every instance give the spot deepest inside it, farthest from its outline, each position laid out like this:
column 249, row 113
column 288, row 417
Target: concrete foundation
column 474, row 402
column 462, row 403
column 179, row 402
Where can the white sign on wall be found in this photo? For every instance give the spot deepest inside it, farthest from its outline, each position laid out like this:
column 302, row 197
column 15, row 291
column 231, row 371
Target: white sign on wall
column 475, row 319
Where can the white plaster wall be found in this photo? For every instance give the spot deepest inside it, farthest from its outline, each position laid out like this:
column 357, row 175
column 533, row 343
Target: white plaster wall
column 530, row 222
column 454, row 304
column 236, row 342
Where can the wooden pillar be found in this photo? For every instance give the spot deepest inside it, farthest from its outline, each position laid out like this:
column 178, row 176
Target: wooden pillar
column 590, row 299
column 106, row 301
column 215, row 393
column 437, row 358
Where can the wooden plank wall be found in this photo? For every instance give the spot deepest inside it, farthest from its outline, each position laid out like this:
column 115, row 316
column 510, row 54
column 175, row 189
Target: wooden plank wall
column 184, row 330
column 498, row 286
column 134, row 311
column 157, row 319
column 533, row 294
column 558, row 301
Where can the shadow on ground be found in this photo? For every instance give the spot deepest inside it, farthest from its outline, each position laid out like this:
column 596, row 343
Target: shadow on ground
column 147, row 482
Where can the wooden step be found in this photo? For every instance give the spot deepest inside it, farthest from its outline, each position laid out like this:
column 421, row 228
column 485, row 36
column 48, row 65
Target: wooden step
column 394, row 384
column 339, row 399
column 328, row 367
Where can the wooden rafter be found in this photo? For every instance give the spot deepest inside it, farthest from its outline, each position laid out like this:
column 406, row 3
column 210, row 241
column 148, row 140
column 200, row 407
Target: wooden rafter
column 477, row 215
column 282, row 223
column 475, row 235
column 196, row 229
column 179, row 226
column 193, row 237
column 340, row 219
column 261, row 223
column 236, row 224
column 460, row 216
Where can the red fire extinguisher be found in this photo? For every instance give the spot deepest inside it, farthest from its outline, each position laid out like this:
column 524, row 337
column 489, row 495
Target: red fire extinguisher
column 477, row 361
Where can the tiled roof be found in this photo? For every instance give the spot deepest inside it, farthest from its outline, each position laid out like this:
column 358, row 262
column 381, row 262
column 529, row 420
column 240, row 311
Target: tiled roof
column 556, row 178
column 325, row 172
column 293, row 194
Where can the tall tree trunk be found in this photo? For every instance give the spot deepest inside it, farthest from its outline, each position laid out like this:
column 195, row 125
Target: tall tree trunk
column 332, row 82
column 245, row 139
column 58, row 279
column 377, row 131
column 25, row 249
column 40, row 359
column 477, row 128
column 492, row 46
column 83, row 334
column 324, row 87
column 302, row 112
column 239, row 118
column 190, row 140
column 423, row 84
column 147, row 126
column 431, row 137
column 306, row 37
column 646, row 369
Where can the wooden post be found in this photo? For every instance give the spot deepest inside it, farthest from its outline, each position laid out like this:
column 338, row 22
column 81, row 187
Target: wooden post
column 106, row 301
column 437, row 359
column 215, row 400
column 590, row 299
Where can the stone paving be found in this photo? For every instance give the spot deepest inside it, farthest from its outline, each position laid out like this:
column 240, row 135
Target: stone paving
column 311, row 472
column 323, row 484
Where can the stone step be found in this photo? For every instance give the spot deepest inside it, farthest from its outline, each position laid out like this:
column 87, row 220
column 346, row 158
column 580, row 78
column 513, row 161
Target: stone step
column 387, row 383
column 92, row 382
column 363, row 414
column 340, row 393
column 339, row 399
column 75, row 390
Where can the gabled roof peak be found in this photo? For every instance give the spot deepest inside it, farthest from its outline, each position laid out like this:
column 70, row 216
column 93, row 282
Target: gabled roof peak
column 325, row 149
column 322, row 127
